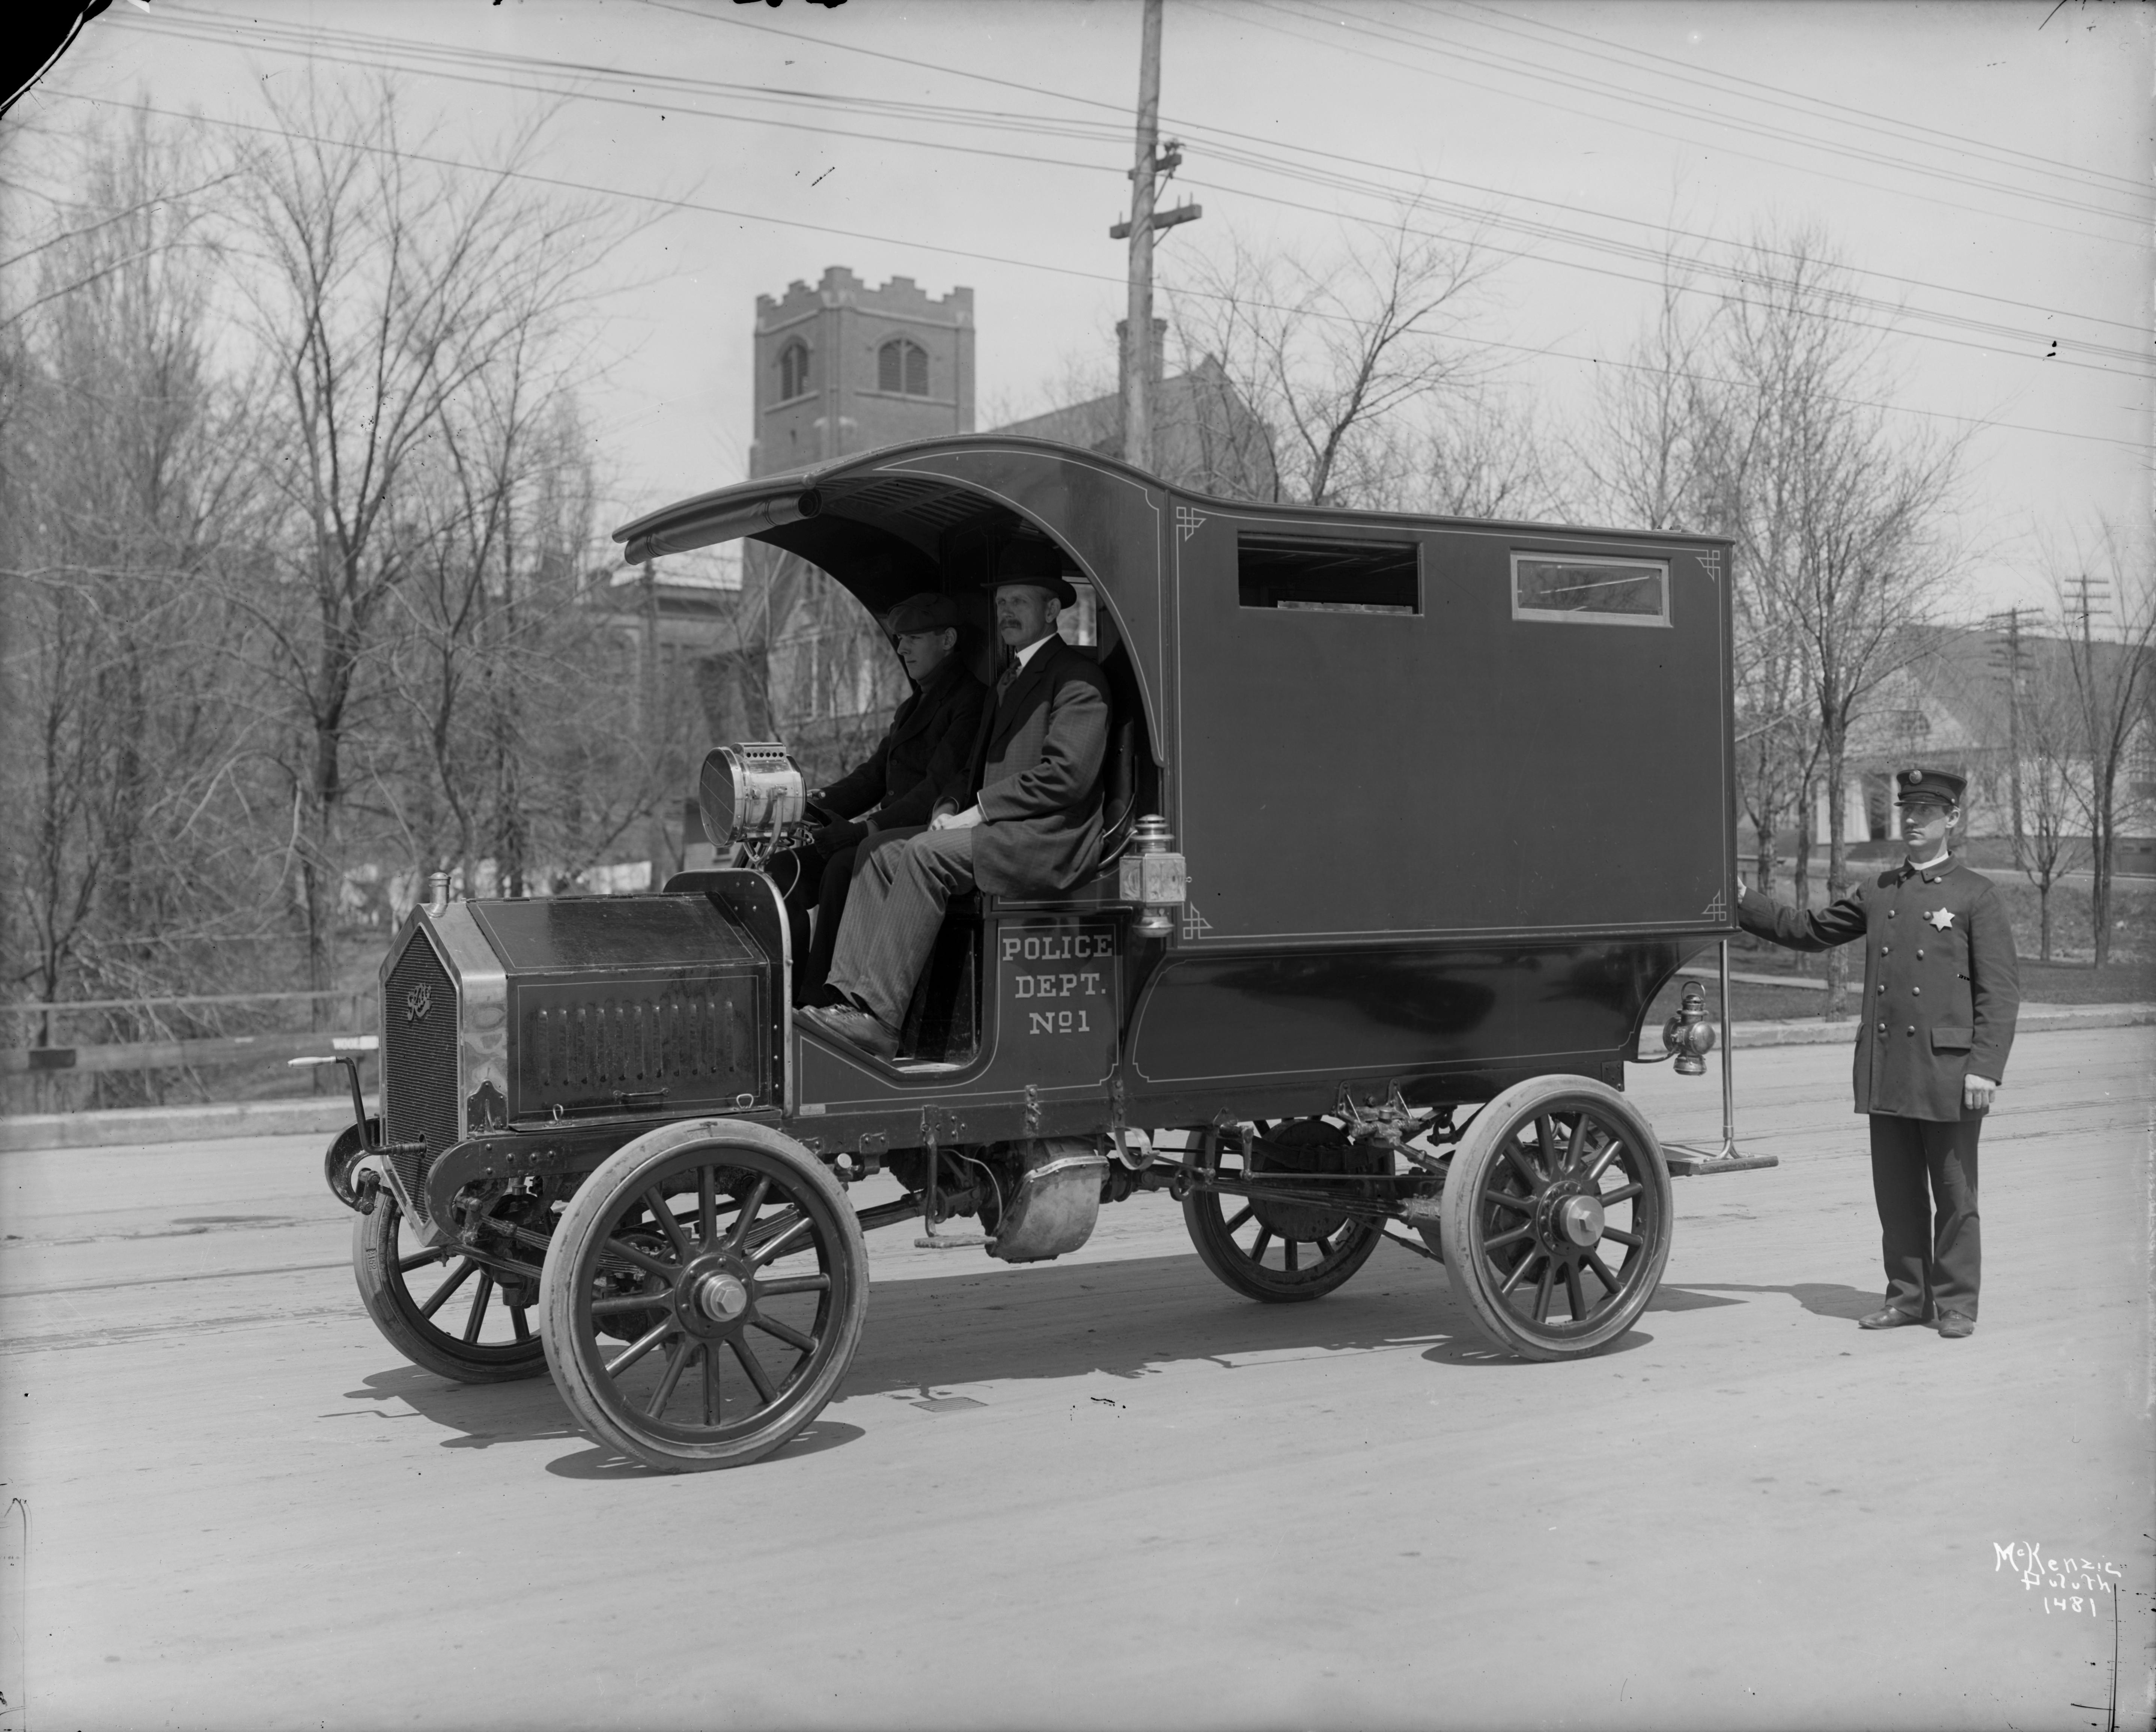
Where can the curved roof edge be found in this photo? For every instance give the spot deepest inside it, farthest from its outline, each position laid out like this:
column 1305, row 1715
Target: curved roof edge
column 747, row 508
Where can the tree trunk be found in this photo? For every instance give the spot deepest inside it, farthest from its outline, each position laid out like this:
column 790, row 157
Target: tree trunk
column 1837, row 876
column 1763, row 836
column 1801, row 867
column 2100, row 850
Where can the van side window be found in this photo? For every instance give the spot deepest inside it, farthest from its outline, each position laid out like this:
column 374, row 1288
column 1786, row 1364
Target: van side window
column 1342, row 577
column 1590, row 591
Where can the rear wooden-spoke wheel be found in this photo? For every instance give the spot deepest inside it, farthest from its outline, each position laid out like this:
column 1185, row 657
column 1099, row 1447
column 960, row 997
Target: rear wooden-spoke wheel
column 704, row 1292
column 443, row 1309
column 1556, row 1217
column 1277, row 1250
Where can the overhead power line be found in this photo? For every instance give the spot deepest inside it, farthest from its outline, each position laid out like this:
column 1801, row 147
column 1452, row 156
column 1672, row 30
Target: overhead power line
column 1442, row 53
column 441, row 61
column 1892, row 125
column 910, row 243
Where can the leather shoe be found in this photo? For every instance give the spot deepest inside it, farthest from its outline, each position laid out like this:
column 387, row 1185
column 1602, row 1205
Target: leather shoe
column 1955, row 1327
column 856, row 1028
column 1889, row 1318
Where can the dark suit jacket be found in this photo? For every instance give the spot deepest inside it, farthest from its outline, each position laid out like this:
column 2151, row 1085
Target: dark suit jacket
column 1941, row 985
column 926, row 747
column 1035, row 774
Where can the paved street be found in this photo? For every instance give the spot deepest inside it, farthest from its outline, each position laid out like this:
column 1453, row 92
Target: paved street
column 1136, row 1499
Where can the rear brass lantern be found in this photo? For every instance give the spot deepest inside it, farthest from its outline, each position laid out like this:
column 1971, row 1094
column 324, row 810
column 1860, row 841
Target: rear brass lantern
column 1688, row 1035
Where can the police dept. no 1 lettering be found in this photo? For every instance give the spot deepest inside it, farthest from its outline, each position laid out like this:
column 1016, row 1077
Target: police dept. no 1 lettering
column 1074, row 982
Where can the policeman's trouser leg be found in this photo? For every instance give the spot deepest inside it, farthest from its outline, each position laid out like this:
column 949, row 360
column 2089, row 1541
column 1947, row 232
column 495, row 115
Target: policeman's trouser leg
column 894, row 910
column 1923, row 1177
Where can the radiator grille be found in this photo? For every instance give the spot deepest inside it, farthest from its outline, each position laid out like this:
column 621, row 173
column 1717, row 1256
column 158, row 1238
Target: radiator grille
column 418, row 1058
column 582, row 1052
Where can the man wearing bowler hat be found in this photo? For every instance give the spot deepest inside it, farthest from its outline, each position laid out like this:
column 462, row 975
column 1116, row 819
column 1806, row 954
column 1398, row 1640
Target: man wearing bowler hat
column 930, row 735
column 1941, row 992
column 1022, row 817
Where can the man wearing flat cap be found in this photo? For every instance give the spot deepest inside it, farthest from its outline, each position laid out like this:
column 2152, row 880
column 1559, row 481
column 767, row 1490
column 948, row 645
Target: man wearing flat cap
column 896, row 788
column 1021, row 817
column 1940, row 991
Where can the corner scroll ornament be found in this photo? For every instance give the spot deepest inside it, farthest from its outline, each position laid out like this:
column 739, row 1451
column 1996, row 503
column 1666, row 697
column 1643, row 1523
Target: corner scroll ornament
column 1195, row 925
column 1188, row 521
column 1709, row 559
column 1717, row 909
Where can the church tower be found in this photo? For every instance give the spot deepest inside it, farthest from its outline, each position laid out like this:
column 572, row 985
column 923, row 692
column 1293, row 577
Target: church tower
column 844, row 368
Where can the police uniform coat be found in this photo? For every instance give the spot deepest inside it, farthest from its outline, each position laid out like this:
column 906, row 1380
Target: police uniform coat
column 1035, row 774
column 1941, row 987
column 926, row 746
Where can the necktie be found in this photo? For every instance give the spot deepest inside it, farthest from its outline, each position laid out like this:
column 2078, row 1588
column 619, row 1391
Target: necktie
column 1004, row 679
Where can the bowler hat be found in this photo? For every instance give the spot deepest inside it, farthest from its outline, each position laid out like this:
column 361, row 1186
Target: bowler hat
column 928, row 611
column 1943, row 786
column 1027, row 559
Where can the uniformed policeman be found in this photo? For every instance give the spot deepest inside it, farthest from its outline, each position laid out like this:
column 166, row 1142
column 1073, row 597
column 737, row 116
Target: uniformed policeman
column 1940, row 991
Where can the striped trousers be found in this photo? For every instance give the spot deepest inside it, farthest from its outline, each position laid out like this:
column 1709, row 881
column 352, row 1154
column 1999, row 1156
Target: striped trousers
column 903, row 879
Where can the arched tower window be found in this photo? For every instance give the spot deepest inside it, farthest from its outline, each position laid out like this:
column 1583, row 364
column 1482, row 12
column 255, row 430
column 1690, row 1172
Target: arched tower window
column 793, row 370
column 902, row 366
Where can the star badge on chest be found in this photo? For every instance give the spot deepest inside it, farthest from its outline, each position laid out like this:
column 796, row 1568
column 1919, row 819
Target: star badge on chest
column 1941, row 917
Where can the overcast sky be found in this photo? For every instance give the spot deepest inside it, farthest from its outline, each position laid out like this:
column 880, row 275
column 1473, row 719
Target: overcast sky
column 1986, row 166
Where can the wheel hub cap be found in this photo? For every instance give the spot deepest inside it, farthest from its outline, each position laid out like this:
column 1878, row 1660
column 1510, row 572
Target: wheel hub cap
column 721, row 1296
column 1579, row 1219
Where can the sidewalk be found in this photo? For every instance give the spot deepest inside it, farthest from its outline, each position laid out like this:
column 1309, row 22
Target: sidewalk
column 326, row 1116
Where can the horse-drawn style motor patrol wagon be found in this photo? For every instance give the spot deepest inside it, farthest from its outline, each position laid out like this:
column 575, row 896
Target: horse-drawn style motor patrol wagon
column 1407, row 821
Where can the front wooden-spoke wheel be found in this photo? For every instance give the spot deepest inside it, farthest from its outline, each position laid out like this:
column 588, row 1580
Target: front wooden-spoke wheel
column 1280, row 1250
column 704, row 1294
column 1556, row 1217
column 441, row 1308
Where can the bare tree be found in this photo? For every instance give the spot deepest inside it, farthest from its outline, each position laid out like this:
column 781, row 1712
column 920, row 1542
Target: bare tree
column 132, row 771
column 2051, row 772
column 1327, row 351
column 385, row 290
column 1840, row 518
column 2104, row 600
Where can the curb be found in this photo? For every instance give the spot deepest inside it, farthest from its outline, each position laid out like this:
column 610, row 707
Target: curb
column 2034, row 1019
column 142, row 1125
column 121, row 1125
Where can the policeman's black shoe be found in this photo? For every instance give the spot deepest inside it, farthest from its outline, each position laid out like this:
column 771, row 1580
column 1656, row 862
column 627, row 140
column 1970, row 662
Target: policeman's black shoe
column 1889, row 1318
column 1955, row 1327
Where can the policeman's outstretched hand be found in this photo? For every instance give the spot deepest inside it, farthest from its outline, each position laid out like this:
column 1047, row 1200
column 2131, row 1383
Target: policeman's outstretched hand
column 1976, row 1092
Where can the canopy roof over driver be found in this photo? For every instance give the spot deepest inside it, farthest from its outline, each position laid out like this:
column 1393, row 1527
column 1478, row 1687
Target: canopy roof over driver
column 931, row 515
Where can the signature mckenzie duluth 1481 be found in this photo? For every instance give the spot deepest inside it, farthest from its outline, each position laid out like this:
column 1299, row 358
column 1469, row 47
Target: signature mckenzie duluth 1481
column 1369, row 841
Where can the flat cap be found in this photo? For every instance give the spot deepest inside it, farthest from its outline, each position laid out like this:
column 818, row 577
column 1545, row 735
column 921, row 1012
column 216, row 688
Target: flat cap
column 1943, row 786
column 928, row 611
column 1028, row 560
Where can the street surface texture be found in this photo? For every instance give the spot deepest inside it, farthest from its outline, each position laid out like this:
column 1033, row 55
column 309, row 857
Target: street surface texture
column 1107, row 1492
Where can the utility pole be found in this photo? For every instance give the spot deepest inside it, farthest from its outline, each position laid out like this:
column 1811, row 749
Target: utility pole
column 2013, row 619
column 1137, row 327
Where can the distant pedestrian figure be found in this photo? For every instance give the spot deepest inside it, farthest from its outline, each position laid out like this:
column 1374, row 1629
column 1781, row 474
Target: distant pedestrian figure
column 1941, row 992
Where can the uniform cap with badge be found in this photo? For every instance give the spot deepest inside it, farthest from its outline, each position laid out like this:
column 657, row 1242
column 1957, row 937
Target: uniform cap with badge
column 1919, row 787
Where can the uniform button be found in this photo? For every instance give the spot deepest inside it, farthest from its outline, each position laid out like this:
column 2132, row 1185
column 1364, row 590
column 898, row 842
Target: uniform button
column 1890, row 913
column 1883, row 986
column 1882, row 1028
column 1886, row 949
column 1920, row 956
column 1913, row 1028
column 1917, row 990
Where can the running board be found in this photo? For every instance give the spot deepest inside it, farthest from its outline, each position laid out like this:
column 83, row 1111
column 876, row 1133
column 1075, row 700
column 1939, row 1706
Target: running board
column 1691, row 1163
